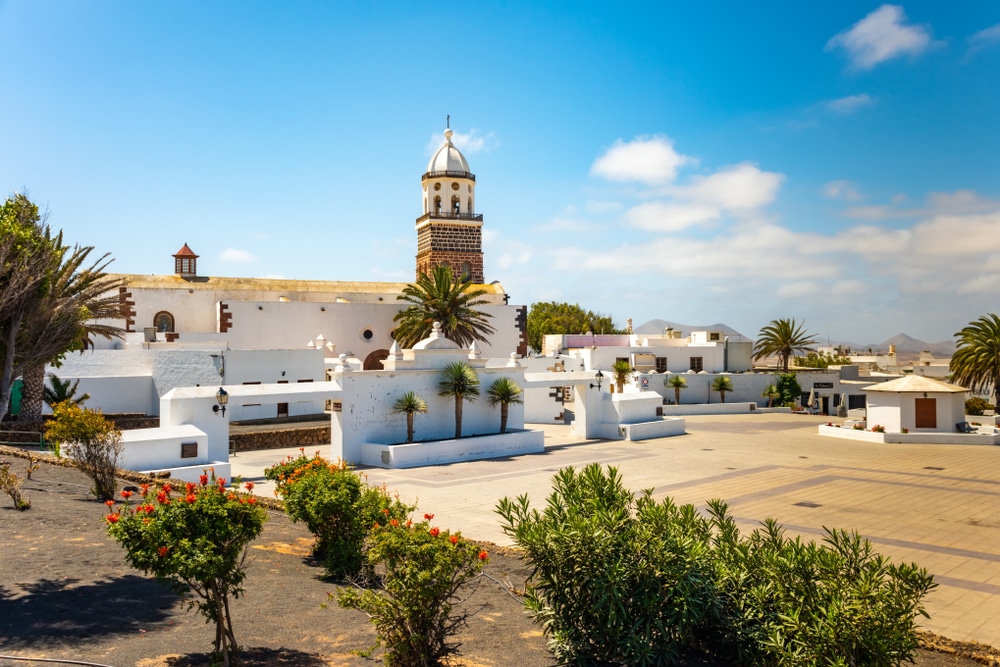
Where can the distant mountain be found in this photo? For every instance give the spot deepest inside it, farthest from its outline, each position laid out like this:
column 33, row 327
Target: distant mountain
column 910, row 345
column 656, row 327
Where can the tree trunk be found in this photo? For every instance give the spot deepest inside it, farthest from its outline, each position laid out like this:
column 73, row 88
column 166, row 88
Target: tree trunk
column 31, row 396
column 409, row 427
column 7, row 378
column 722, row 395
column 677, row 395
column 458, row 417
column 503, row 417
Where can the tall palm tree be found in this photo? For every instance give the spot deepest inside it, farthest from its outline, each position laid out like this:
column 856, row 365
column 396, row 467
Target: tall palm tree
column 621, row 372
column 409, row 403
column 976, row 362
column 459, row 381
column 503, row 392
column 783, row 338
column 770, row 393
column 80, row 301
column 722, row 384
column 438, row 297
column 678, row 383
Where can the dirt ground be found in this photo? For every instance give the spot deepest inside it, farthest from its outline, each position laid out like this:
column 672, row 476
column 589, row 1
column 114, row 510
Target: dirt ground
column 66, row 592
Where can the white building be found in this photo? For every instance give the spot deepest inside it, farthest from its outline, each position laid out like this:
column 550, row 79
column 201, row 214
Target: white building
column 918, row 404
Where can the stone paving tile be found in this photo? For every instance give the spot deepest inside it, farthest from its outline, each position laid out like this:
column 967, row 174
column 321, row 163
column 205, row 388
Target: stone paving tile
column 944, row 520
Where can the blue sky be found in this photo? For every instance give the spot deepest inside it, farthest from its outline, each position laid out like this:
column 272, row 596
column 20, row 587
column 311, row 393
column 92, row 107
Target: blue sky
column 697, row 162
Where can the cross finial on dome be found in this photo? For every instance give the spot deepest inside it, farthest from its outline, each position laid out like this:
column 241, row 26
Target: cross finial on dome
column 448, row 121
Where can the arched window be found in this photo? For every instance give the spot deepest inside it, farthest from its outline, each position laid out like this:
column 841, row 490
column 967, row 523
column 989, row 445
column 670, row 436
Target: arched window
column 468, row 206
column 437, row 204
column 466, row 272
column 164, row 322
column 456, row 204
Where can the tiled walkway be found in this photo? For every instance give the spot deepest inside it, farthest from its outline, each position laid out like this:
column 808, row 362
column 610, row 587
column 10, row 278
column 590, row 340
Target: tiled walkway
column 937, row 505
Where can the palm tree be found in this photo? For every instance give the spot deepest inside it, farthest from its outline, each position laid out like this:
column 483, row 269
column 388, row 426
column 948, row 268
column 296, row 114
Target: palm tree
column 783, row 338
column 976, row 362
column 409, row 403
column 437, row 297
column 62, row 390
column 79, row 302
column 770, row 393
column 678, row 383
column 459, row 381
column 722, row 384
column 621, row 372
column 503, row 392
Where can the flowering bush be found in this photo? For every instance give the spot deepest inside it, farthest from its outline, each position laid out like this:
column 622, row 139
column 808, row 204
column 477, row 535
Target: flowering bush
column 94, row 443
column 878, row 428
column 195, row 538
column 859, row 427
column 412, row 606
column 337, row 506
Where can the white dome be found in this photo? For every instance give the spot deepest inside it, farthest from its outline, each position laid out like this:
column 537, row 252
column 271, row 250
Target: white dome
column 448, row 158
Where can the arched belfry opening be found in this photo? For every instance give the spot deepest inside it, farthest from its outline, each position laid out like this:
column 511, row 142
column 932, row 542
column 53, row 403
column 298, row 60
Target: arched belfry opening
column 448, row 234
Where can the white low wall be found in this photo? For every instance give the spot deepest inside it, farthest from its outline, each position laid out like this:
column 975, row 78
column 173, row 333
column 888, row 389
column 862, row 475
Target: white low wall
column 988, row 436
column 452, row 451
column 710, row 409
column 192, row 473
column 661, row 428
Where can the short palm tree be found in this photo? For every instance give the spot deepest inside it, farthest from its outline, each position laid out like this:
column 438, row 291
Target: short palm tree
column 722, row 384
column 621, row 372
column 782, row 338
column 438, row 297
column 770, row 393
column 459, row 381
column 503, row 392
column 976, row 362
column 409, row 404
column 678, row 383
column 62, row 390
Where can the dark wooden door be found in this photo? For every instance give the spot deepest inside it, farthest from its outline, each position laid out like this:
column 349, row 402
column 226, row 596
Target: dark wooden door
column 925, row 413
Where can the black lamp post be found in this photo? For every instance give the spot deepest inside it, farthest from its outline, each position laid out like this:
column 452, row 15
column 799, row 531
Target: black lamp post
column 222, row 397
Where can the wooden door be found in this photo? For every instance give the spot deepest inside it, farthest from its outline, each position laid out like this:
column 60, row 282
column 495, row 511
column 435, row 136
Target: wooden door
column 925, row 412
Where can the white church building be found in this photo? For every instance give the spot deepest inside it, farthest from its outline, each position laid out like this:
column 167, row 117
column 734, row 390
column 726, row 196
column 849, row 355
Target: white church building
column 187, row 329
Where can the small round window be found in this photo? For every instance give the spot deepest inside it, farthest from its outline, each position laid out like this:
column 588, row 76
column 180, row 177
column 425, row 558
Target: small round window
column 368, row 334
column 437, row 186
column 454, row 186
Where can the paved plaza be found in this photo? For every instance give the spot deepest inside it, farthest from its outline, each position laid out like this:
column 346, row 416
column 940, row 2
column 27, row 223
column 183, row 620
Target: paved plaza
column 937, row 505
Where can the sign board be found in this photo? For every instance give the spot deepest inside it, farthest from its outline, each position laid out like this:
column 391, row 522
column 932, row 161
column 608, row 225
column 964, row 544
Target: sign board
column 338, row 406
column 645, row 382
column 822, row 385
column 189, row 450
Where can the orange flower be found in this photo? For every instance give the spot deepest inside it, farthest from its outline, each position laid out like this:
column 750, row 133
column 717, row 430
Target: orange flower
column 453, row 539
column 249, row 486
column 190, row 498
column 435, row 532
column 483, row 555
column 394, row 523
column 109, row 503
column 428, row 517
column 385, row 511
column 167, row 488
column 161, row 498
column 144, row 488
column 163, row 551
column 126, row 494
column 112, row 518
column 189, row 487
column 203, row 479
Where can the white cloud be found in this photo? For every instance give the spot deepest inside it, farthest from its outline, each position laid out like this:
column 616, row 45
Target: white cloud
column 734, row 188
column 470, row 143
column 670, row 217
column 849, row 104
column 845, row 190
column 881, row 36
column 983, row 39
column 650, row 160
column 237, row 256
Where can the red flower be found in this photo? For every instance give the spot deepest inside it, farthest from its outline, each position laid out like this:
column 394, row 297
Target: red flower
column 163, row 551
column 453, row 539
column 161, row 498
column 109, row 503
column 394, row 523
column 189, row 487
column 112, row 518
column 221, row 481
column 190, row 498
column 435, row 532
column 144, row 488
column 126, row 494
column 249, row 486
column 204, row 480
column 376, row 525
column 167, row 488
column 483, row 555
column 385, row 511
column 408, row 523
column 251, row 500
column 148, row 509
column 428, row 517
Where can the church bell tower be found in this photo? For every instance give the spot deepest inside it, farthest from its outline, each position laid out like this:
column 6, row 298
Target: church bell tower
column 450, row 232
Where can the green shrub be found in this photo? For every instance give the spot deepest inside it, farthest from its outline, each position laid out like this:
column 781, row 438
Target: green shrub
column 976, row 405
column 197, row 541
column 617, row 579
column 337, row 507
column 788, row 387
column 412, row 608
column 93, row 442
column 787, row 602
